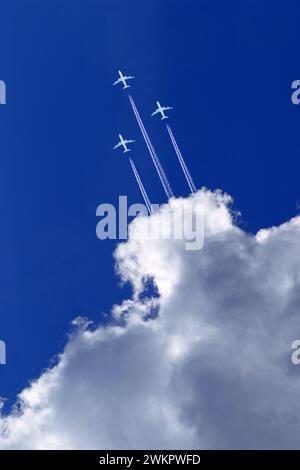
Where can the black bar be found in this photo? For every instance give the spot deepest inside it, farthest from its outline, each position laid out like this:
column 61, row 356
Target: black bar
column 144, row 458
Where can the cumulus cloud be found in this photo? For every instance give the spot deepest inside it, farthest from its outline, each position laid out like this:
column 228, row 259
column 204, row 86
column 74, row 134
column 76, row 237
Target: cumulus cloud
column 210, row 369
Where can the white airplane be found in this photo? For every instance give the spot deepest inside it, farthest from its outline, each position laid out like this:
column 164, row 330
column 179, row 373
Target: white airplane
column 160, row 109
column 123, row 143
column 123, row 79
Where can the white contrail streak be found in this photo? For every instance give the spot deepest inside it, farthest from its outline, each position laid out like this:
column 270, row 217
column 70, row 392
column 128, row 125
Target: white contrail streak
column 185, row 170
column 141, row 186
column 162, row 176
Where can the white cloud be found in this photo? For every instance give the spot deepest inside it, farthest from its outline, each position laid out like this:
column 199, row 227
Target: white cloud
column 213, row 370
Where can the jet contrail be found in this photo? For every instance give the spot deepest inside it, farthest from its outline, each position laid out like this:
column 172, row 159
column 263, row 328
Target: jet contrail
column 141, row 186
column 162, row 176
column 182, row 162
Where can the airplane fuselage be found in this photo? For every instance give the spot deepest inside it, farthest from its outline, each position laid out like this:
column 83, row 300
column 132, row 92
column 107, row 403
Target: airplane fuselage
column 123, row 80
column 123, row 142
column 160, row 109
column 163, row 115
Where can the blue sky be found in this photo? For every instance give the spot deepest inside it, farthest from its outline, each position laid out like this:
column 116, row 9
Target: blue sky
column 225, row 66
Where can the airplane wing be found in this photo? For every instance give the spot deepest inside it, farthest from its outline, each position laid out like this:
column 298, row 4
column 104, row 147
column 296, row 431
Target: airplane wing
column 118, row 145
column 128, row 78
column 117, row 81
column 155, row 112
column 166, row 108
column 128, row 141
